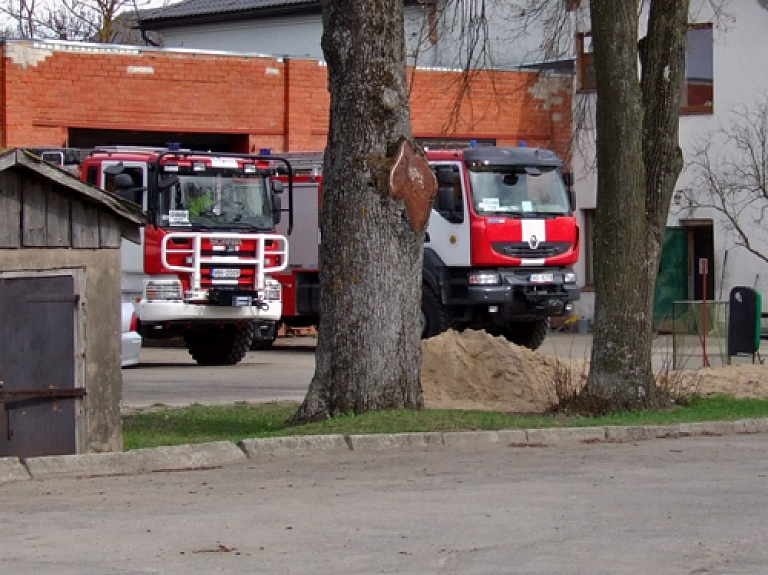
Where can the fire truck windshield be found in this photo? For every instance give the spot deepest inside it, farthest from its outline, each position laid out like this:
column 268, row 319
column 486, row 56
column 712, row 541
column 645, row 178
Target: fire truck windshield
column 212, row 200
column 518, row 191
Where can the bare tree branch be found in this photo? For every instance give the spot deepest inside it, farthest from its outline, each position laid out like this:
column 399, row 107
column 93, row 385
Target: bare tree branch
column 730, row 176
column 106, row 21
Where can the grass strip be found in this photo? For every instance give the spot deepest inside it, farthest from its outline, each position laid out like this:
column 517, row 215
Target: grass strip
column 198, row 424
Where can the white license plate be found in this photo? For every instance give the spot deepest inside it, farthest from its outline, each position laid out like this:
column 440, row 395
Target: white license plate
column 542, row 278
column 225, row 273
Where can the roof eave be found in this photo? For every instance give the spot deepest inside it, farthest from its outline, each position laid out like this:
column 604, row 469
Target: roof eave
column 163, row 23
column 292, row 9
column 130, row 213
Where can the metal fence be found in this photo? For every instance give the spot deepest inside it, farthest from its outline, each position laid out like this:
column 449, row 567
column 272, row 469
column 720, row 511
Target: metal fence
column 699, row 334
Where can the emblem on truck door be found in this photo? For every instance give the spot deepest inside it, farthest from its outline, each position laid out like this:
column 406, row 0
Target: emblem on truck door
column 533, row 242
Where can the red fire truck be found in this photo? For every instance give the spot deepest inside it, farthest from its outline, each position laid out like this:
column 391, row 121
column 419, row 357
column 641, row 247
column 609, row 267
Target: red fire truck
column 204, row 268
column 499, row 248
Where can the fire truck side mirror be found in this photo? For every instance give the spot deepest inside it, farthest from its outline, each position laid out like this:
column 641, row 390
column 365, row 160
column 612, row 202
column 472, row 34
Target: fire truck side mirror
column 123, row 181
column 445, row 200
column 132, row 194
column 277, row 186
column 446, row 177
column 168, row 182
column 277, row 206
column 114, row 170
column 125, row 188
column 568, row 181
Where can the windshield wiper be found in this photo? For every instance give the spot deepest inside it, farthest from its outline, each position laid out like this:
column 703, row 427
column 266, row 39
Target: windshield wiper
column 509, row 213
column 246, row 226
column 521, row 214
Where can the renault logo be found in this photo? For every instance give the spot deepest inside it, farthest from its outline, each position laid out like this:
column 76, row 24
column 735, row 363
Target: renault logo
column 533, row 242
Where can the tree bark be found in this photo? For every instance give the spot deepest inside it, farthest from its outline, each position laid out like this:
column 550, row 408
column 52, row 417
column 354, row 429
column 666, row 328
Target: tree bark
column 638, row 162
column 368, row 353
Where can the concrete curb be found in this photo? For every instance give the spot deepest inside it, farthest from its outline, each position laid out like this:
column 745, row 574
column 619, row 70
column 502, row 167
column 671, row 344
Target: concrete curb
column 470, row 438
column 12, row 469
column 394, row 440
column 174, row 458
column 224, row 453
column 255, row 448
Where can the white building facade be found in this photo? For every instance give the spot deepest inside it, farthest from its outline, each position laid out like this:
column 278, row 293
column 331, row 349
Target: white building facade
column 725, row 77
column 439, row 33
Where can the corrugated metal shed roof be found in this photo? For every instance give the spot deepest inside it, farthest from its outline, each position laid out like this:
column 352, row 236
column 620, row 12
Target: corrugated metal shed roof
column 207, row 8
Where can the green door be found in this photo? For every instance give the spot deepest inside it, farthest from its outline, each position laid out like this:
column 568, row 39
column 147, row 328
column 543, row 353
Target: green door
column 672, row 282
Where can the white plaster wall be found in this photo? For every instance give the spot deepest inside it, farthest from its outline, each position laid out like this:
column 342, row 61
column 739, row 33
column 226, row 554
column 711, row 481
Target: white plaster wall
column 299, row 36
column 290, row 36
column 585, row 187
column 508, row 37
column 740, row 78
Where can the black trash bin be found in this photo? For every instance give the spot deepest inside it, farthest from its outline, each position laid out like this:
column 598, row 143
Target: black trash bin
column 744, row 316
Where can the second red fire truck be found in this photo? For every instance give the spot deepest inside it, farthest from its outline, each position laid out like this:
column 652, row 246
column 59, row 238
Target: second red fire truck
column 499, row 249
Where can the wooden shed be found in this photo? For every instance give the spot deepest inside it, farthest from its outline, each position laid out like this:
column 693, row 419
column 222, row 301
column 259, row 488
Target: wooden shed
column 60, row 378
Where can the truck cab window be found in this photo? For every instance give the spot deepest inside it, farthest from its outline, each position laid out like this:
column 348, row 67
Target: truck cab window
column 217, row 200
column 449, row 202
column 518, row 192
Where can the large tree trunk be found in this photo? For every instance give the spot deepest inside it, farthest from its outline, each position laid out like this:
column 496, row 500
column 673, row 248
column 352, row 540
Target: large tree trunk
column 662, row 53
column 368, row 354
column 638, row 161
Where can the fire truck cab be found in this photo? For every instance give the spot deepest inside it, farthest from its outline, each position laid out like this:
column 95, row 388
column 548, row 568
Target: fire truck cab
column 499, row 247
column 500, row 244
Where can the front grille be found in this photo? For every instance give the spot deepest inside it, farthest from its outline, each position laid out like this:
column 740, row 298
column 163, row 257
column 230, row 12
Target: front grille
column 523, row 249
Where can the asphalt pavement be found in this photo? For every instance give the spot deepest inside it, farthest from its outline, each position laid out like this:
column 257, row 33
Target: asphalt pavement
column 681, row 506
column 678, row 499
column 167, row 375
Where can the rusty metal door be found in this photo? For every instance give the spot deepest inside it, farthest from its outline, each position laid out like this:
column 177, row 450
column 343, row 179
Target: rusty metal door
column 38, row 398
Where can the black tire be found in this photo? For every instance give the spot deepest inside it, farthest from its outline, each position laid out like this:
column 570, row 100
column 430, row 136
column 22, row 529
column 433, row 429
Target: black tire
column 225, row 345
column 434, row 316
column 530, row 334
column 262, row 344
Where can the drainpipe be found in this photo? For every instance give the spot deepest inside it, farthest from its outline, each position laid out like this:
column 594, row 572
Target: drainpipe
column 286, row 104
column 140, row 25
column 4, row 95
column 722, row 273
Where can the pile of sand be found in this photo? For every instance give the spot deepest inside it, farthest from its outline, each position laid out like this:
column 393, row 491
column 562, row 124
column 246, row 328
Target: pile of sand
column 474, row 370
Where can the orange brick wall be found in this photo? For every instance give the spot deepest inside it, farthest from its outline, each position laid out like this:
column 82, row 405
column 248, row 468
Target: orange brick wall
column 510, row 107
column 273, row 103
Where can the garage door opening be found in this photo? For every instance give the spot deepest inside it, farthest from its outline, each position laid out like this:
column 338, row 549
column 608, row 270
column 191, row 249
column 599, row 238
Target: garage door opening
column 85, row 138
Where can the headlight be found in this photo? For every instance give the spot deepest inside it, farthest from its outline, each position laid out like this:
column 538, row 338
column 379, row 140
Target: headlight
column 162, row 290
column 569, row 277
column 484, row 279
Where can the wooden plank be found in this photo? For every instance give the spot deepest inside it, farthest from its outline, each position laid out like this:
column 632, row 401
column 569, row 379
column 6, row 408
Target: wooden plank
column 33, row 213
column 120, row 207
column 85, row 225
column 57, row 219
column 109, row 231
column 10, row 211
